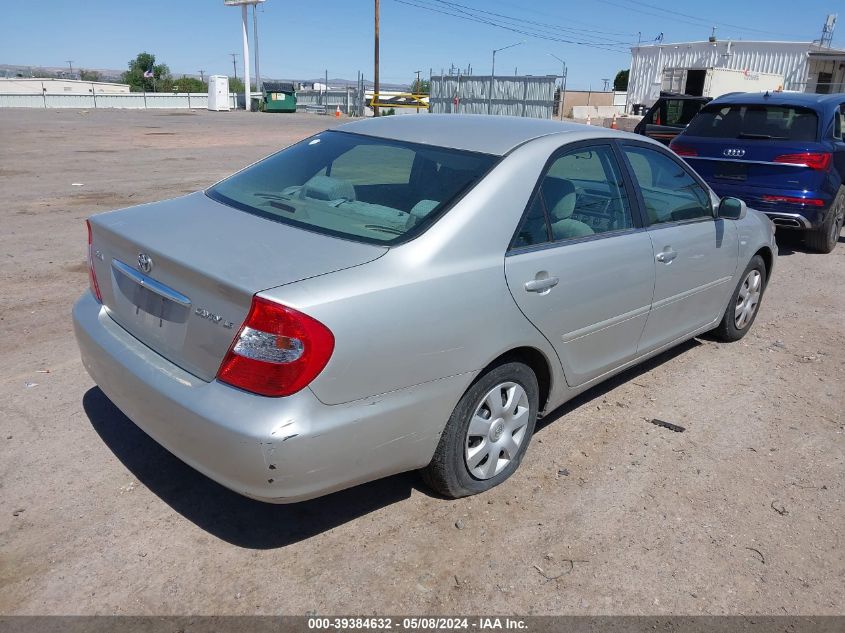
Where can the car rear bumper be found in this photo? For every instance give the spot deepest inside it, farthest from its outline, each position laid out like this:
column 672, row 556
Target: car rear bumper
column 273, row 449
column 782, row 214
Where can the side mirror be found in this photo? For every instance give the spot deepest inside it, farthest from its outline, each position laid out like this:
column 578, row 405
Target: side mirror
column 732, row 209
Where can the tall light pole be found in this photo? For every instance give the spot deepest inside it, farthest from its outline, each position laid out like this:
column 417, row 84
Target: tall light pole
column 563, row 72
column 255, row 38
column 493, row 74
column 375, row 62
column 244, row 5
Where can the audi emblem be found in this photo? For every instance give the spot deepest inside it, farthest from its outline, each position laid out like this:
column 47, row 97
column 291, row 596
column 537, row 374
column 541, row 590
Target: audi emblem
column 145, row 262
column 734, row 152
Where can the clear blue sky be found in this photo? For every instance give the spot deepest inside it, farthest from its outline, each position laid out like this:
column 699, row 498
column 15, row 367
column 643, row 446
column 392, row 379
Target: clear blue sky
column 301, row 39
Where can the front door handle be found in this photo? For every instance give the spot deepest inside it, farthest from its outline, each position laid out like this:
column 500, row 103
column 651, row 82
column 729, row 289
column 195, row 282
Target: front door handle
column 666, row 256
column 541, row 285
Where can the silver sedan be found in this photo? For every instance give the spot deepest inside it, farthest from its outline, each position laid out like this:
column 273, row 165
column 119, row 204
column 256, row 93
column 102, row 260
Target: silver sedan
column 407, row 293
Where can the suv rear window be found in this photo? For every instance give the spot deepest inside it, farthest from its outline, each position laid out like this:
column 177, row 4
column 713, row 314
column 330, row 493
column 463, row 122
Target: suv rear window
column 363, row 188
column 763, row 122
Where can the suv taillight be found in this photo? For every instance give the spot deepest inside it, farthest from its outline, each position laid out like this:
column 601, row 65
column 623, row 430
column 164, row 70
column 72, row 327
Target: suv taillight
column 813, row 160
column 682, row 150
column 277, row 352
column 92, row 275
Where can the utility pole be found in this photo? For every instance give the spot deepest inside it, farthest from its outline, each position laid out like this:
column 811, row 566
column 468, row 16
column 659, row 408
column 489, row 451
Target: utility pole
column 202, row 76
column 606, row 84
column 375, row 63
column 417, row 90
column 563, row 73
column 255, row 37
column 70, row 65
column 235, row 63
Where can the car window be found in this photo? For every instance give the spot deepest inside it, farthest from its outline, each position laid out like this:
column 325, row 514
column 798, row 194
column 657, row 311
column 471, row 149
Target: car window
column 359, row 187
column 535, row 226
column 839, row 121
column 670, row 193
column 755, row 122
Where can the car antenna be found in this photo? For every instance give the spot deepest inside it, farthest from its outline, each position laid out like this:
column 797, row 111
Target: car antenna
column 766, row 96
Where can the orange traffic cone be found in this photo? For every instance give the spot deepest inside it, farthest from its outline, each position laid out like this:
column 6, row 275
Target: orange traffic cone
column 589, row 120
column 337, row 113
column 613, row 125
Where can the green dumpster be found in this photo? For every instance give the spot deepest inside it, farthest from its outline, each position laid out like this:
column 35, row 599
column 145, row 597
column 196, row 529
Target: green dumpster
column 279, row 96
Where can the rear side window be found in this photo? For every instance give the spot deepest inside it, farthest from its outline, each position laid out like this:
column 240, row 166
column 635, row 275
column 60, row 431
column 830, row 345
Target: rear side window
column 580, row 195
column 763, row 122
column 363, row 188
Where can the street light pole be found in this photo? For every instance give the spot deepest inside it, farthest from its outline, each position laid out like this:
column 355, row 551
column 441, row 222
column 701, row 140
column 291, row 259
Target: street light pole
column 563, row 74
column 493, row 75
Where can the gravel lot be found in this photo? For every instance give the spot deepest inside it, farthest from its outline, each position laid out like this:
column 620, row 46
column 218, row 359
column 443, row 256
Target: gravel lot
column 742, row 513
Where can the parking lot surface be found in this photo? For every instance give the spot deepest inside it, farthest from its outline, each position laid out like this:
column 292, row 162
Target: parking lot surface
column 741, row 513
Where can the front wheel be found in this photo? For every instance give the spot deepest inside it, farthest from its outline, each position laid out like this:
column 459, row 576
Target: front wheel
column 487, row 434
column 745, row 302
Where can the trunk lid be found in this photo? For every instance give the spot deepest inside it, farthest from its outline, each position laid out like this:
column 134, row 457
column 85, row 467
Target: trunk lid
column 206, row 261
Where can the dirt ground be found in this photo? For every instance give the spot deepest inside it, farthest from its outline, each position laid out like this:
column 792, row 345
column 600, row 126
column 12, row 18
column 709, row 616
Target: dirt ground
column 741, row 513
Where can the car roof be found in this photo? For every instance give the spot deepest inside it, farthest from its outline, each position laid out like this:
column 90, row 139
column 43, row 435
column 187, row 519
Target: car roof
column 472, row 132
column 806, row 99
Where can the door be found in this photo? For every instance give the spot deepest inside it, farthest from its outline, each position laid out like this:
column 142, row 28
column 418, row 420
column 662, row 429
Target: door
column 580, row 268
column 695, row 254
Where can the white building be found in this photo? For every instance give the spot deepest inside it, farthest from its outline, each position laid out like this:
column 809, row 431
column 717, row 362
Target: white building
column 18, row 85
column 805, row 66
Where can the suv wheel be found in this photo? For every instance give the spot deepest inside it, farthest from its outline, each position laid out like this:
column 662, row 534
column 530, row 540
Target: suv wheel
column 824, row 239
column 487, row 434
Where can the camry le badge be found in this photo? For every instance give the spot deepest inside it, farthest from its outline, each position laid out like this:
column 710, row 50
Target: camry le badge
column 145, row 262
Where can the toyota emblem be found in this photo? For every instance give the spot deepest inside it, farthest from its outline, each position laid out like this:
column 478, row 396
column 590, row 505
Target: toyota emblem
column 145, row 262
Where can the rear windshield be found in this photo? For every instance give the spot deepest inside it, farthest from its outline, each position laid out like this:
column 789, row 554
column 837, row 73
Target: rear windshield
column 755, row 122
column 363, row 188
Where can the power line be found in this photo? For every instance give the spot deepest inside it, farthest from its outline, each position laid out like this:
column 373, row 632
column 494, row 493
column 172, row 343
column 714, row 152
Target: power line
column 554, row 28
column 667, row 14
column 467, row 15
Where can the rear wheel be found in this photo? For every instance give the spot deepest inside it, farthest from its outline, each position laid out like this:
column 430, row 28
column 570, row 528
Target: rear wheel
column 487, row 434
column 824, row 239
column 745, row 302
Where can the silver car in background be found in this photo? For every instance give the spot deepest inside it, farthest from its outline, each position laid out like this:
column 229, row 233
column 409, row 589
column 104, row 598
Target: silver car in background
column 407, row 293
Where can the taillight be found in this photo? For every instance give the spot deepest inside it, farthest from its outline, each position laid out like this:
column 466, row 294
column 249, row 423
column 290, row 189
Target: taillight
column 682, row 150
column 92, row 275
column 277, row 352
column 813, row 160
column 812, row 202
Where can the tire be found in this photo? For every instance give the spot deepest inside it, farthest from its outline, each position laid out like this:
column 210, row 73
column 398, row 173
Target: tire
column 745, row 302
column 824, row 238
column 459, row 467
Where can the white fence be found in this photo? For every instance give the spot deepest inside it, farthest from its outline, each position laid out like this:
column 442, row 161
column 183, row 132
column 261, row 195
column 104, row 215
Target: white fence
column 133, row 100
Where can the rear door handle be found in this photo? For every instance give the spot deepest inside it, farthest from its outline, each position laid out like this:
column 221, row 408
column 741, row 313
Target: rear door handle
column 666, row 256
column 541, row 285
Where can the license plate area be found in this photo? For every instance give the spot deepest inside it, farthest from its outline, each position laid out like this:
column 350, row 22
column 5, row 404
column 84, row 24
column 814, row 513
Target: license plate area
column 731, row 170
column 150, row 297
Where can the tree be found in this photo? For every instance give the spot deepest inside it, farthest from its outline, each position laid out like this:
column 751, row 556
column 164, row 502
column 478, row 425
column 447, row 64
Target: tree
column 143, row 63
column 620, row 82
column 89, row 75
column 420, row 87
column 189, row 84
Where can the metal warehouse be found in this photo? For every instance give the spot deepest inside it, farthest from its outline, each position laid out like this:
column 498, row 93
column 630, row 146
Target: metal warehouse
column 804, row 66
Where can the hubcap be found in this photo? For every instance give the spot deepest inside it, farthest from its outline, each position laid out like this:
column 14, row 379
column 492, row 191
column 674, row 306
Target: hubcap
column 748, row 299
column 496, row 430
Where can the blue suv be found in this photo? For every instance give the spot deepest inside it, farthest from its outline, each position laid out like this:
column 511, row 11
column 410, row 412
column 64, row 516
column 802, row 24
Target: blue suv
column 783, row 153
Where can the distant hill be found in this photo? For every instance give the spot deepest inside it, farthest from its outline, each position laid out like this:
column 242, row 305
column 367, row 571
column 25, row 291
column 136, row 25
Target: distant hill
column 110, row 74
